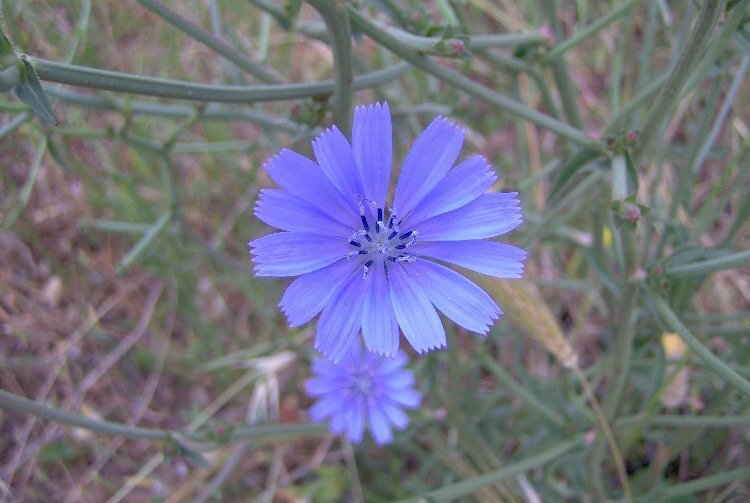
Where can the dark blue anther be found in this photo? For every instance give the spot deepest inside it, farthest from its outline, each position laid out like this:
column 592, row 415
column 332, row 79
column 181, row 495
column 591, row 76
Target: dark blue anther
column 390, row 236
column 400, row 247
column 367, row 237
column 368, row 264
column 354, row 243
column 380, row 214
column 364, row 222
column 363, row 252
column 405, row 235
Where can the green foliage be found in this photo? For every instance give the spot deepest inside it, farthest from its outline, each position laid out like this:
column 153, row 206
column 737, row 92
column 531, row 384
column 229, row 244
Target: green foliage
column 623, row 125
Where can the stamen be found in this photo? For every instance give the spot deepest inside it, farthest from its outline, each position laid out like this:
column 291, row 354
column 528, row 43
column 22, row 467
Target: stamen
column 364, row 221
column 406, row 235
column 367, row 237
column 354, row 243
column 380, row 214
column 356, row 235
column 390, row 236
column 405, row 258
column 368, row 264
column 355, row 252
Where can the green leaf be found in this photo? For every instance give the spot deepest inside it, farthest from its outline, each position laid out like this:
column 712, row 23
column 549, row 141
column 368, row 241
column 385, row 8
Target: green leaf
column 30, row 92
column 7, row 54
column 573, row 165
column 58, row 154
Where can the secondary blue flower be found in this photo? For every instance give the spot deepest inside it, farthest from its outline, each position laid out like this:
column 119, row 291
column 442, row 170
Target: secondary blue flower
column 373, row 269
column 363, row 389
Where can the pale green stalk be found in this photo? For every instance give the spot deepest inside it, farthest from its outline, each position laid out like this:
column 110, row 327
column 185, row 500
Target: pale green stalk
column 336, row 18
column 261, row 72
column 670, row 91
column 469, row 86
column 168, row 88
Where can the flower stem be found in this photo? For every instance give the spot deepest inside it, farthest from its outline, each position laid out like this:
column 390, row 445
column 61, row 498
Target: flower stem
column 670, row 91
column 468, row 85
column 261, row 72
column 12, row 402
column 709, row 359
column 167, row 88
column 336, row 18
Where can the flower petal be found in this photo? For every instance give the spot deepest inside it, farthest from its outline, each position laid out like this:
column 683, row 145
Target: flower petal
column 372, row 140
column 379, row 325
column 378, row 422
column 487, row 216
column 459, row 187
column 456, row 296
column 408, row 398
column 341, row 319
column 486, row 257
column 429, row 159
column 417, row 318
column 292, row 253
column 308, row 294
column 284, row 211
column 395, row 415
column 299, row 176
column 355, row 420
column 319, row 386
column 336, row 159
column 326, row 407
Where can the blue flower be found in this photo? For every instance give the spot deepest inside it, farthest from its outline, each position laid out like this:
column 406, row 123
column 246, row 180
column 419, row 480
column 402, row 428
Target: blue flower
column 373, row 268
column 363, row 388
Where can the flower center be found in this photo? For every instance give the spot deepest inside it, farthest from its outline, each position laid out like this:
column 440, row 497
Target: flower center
column 379, row 241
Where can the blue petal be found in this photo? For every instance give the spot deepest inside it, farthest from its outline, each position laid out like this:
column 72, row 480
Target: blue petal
column 290, row 213
column 417, row 318
column 292, row 253
column 459, row 187
column 318, row 386
column 429, row 159
column 456, row 296
column 326, row 407
column 336, row 159
column 399, row 380
column 378, row 423
column 395, row 415
column 355, row 420
column 341, row 319
column 372, row 140
column 308, row 294
column 379, row 325
column 301, row 177
column 486, row 257
column 487, row 216
column 387, row 366
column 408, row 398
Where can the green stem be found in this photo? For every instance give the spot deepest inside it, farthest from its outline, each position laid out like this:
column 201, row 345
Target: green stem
column 670, row 91
column 336, row 18
column 624, row 332
column 15, row 403
column 565, row 85
column 167, row 88
column 706, row 421
column 469, row 86
column 466, row 487
column 587, row 32
column 710, row 360
column 739, row 259
column 524, row 394
column 219, row 46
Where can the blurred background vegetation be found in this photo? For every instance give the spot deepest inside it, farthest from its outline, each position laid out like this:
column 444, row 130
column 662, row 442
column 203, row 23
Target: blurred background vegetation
column 126, row 294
